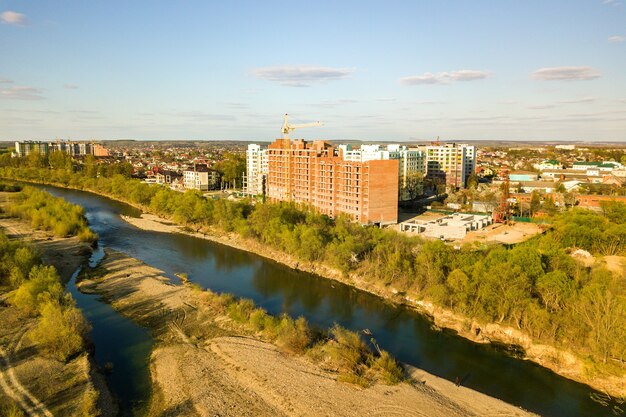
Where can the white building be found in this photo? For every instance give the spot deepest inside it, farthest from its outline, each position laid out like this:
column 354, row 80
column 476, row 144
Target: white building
column 454, row 226
column 451, row 163
column 256, row 170
column 410, row 161
column 196, row 180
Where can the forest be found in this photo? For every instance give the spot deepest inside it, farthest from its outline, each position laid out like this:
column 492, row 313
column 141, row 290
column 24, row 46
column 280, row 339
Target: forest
column 536, row 286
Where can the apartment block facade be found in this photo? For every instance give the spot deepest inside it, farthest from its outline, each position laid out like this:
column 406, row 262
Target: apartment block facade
column 411, row 162
column 317, row 174
column 256, row 170
column 28, row 147
column 450, row 163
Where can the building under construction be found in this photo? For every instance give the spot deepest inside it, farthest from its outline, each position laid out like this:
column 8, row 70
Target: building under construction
column 316, row 174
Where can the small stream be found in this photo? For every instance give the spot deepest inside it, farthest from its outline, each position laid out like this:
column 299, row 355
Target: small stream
column 122, row 346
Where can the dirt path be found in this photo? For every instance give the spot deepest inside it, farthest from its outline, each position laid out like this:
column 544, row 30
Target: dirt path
column 14, row 389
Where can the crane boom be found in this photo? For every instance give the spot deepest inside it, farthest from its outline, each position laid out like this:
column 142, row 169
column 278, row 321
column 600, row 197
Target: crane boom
column 287, row 128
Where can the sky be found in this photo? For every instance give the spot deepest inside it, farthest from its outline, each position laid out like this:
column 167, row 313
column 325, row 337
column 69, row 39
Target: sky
column 368, row 70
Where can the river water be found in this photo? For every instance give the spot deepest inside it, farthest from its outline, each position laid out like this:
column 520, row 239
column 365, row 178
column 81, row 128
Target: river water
column 277, row 288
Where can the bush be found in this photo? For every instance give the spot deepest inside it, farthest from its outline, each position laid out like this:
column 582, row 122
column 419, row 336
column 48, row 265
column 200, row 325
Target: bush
column 43, row 285
column 240, row 310
column 293, row 336
column 390, row 371
column 61, row 330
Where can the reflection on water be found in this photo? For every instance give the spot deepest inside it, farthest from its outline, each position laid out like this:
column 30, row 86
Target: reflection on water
column 403, row 332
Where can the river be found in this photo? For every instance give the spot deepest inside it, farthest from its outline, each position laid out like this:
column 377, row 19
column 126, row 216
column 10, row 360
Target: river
column 277, row 288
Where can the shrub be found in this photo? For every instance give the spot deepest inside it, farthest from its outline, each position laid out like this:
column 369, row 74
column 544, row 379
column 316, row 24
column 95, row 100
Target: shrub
column 43, row 285
column 240, row 310
column 61, row 329
column 291, row 335
column 388, row 368
column 86, row 235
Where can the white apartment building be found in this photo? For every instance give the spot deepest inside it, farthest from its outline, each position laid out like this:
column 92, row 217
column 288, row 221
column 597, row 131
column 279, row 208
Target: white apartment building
column 196, row 180
column 451, row 163
column 410, row 161
column 256, row 170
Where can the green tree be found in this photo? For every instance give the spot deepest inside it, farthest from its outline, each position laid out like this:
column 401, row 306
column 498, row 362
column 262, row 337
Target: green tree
column 90, row 166
column 602, row 307
column 472, row 181
column 43, row 285
column 535, row 203
column 61, row 329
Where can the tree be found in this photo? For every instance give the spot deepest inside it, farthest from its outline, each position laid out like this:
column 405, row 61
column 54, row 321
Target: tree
column 91, row 166
column 43, row 285
column 602, row 308
column 472, row 181
column 58, row 160
column 413, row 187
column 232, row 168
column 535, row 203
column 615, row 211
column 548, row 205
column 61, row 329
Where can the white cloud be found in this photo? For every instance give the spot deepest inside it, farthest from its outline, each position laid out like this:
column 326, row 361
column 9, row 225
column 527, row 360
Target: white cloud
column 566, row 73
column 13, row 18
column 70, row 86
column 445, row 77
column 5, row 81
column 21, row 93
column 579, row 100
column 542, row 106
column 617, row 39
column 301, row 75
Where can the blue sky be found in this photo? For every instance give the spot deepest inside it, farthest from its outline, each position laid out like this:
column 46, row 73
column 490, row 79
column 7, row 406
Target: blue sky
column 370, row 70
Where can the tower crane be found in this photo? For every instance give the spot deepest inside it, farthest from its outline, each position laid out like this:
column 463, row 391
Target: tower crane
column 287, row 128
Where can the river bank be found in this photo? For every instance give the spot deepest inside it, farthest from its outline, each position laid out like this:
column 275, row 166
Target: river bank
column 40, row 385
column 203, row 362
column 560, row 361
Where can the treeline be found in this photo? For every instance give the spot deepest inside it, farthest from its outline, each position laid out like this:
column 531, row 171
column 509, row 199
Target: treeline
column 37, row 291
column 535, row 286
column 46, row 212
column 337, row 349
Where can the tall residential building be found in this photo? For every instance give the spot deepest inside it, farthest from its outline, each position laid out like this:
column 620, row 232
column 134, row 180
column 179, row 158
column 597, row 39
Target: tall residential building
column 410, row 162
column 27, row 147
column 317, row 174
column 450, row 163
column 256, row 170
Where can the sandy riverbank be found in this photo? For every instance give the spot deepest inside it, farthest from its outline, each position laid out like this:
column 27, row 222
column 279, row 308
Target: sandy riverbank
column 39, row 384
column 202, row 365
column 560, row 361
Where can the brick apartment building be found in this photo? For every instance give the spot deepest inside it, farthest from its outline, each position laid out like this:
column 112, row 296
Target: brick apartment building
column 317, row 174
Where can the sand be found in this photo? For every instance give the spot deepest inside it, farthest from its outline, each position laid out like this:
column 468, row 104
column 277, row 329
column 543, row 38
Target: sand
column 201, row 365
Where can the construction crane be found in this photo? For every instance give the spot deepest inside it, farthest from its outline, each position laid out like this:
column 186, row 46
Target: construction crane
column 287, row 128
